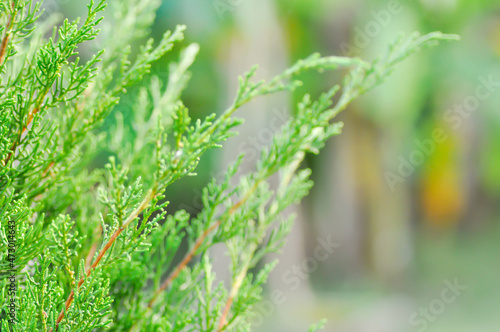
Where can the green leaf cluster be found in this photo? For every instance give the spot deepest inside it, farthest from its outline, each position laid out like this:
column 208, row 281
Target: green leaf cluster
column 95, row 249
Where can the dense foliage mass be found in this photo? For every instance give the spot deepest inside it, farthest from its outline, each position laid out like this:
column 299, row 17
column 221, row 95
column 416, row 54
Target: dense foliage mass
column 93, row 249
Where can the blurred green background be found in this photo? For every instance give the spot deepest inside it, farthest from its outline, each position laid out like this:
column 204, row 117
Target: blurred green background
column 409, row 213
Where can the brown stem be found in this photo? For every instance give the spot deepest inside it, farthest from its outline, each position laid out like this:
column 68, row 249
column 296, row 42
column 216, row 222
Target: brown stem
column 241, row 277
column 234, row 290
column 31, row 116
column 103, row 251
column 12, row 149
column 223, row 319
column 185, row 261
column 3, row 47
column 93, row 249
column 6, row 37
column 190, row 255
column 227, row 308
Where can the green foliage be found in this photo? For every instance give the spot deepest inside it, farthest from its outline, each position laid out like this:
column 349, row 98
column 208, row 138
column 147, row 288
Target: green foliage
column 94, row 249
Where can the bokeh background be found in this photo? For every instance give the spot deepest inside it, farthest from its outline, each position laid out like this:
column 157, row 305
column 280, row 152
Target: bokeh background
column 401, row 231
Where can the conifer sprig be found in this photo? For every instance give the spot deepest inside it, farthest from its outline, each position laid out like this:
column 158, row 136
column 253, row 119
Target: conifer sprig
column 95, row 249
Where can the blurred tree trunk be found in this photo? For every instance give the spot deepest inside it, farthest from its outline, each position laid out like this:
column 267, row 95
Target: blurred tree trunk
column 389, row 247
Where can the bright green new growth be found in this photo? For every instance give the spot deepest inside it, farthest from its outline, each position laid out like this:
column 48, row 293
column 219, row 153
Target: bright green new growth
column 95, row 249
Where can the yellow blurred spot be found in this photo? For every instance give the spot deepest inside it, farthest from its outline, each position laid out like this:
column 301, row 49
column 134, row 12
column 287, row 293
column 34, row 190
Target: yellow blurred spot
column 442, row 191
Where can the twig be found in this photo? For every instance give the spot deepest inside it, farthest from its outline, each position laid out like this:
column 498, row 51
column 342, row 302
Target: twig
column 6, row 37
column 31, row 116
column 287, row 177
column 103, row 251
column 187, row 258
column 190, row 255
column 232, row 294
column 3, row 49
column 93, row 249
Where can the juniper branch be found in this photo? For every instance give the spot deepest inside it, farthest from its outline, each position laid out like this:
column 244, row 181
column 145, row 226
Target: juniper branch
column 7, row 33
column 103, row 252
column 111, row 236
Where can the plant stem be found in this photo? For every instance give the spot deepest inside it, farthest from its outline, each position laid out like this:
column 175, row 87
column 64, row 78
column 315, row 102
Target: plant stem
column 234, row 292
column 190, row 255
column 287, row 177
column 6, row 37
column 144, row 204
column 31, row 116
